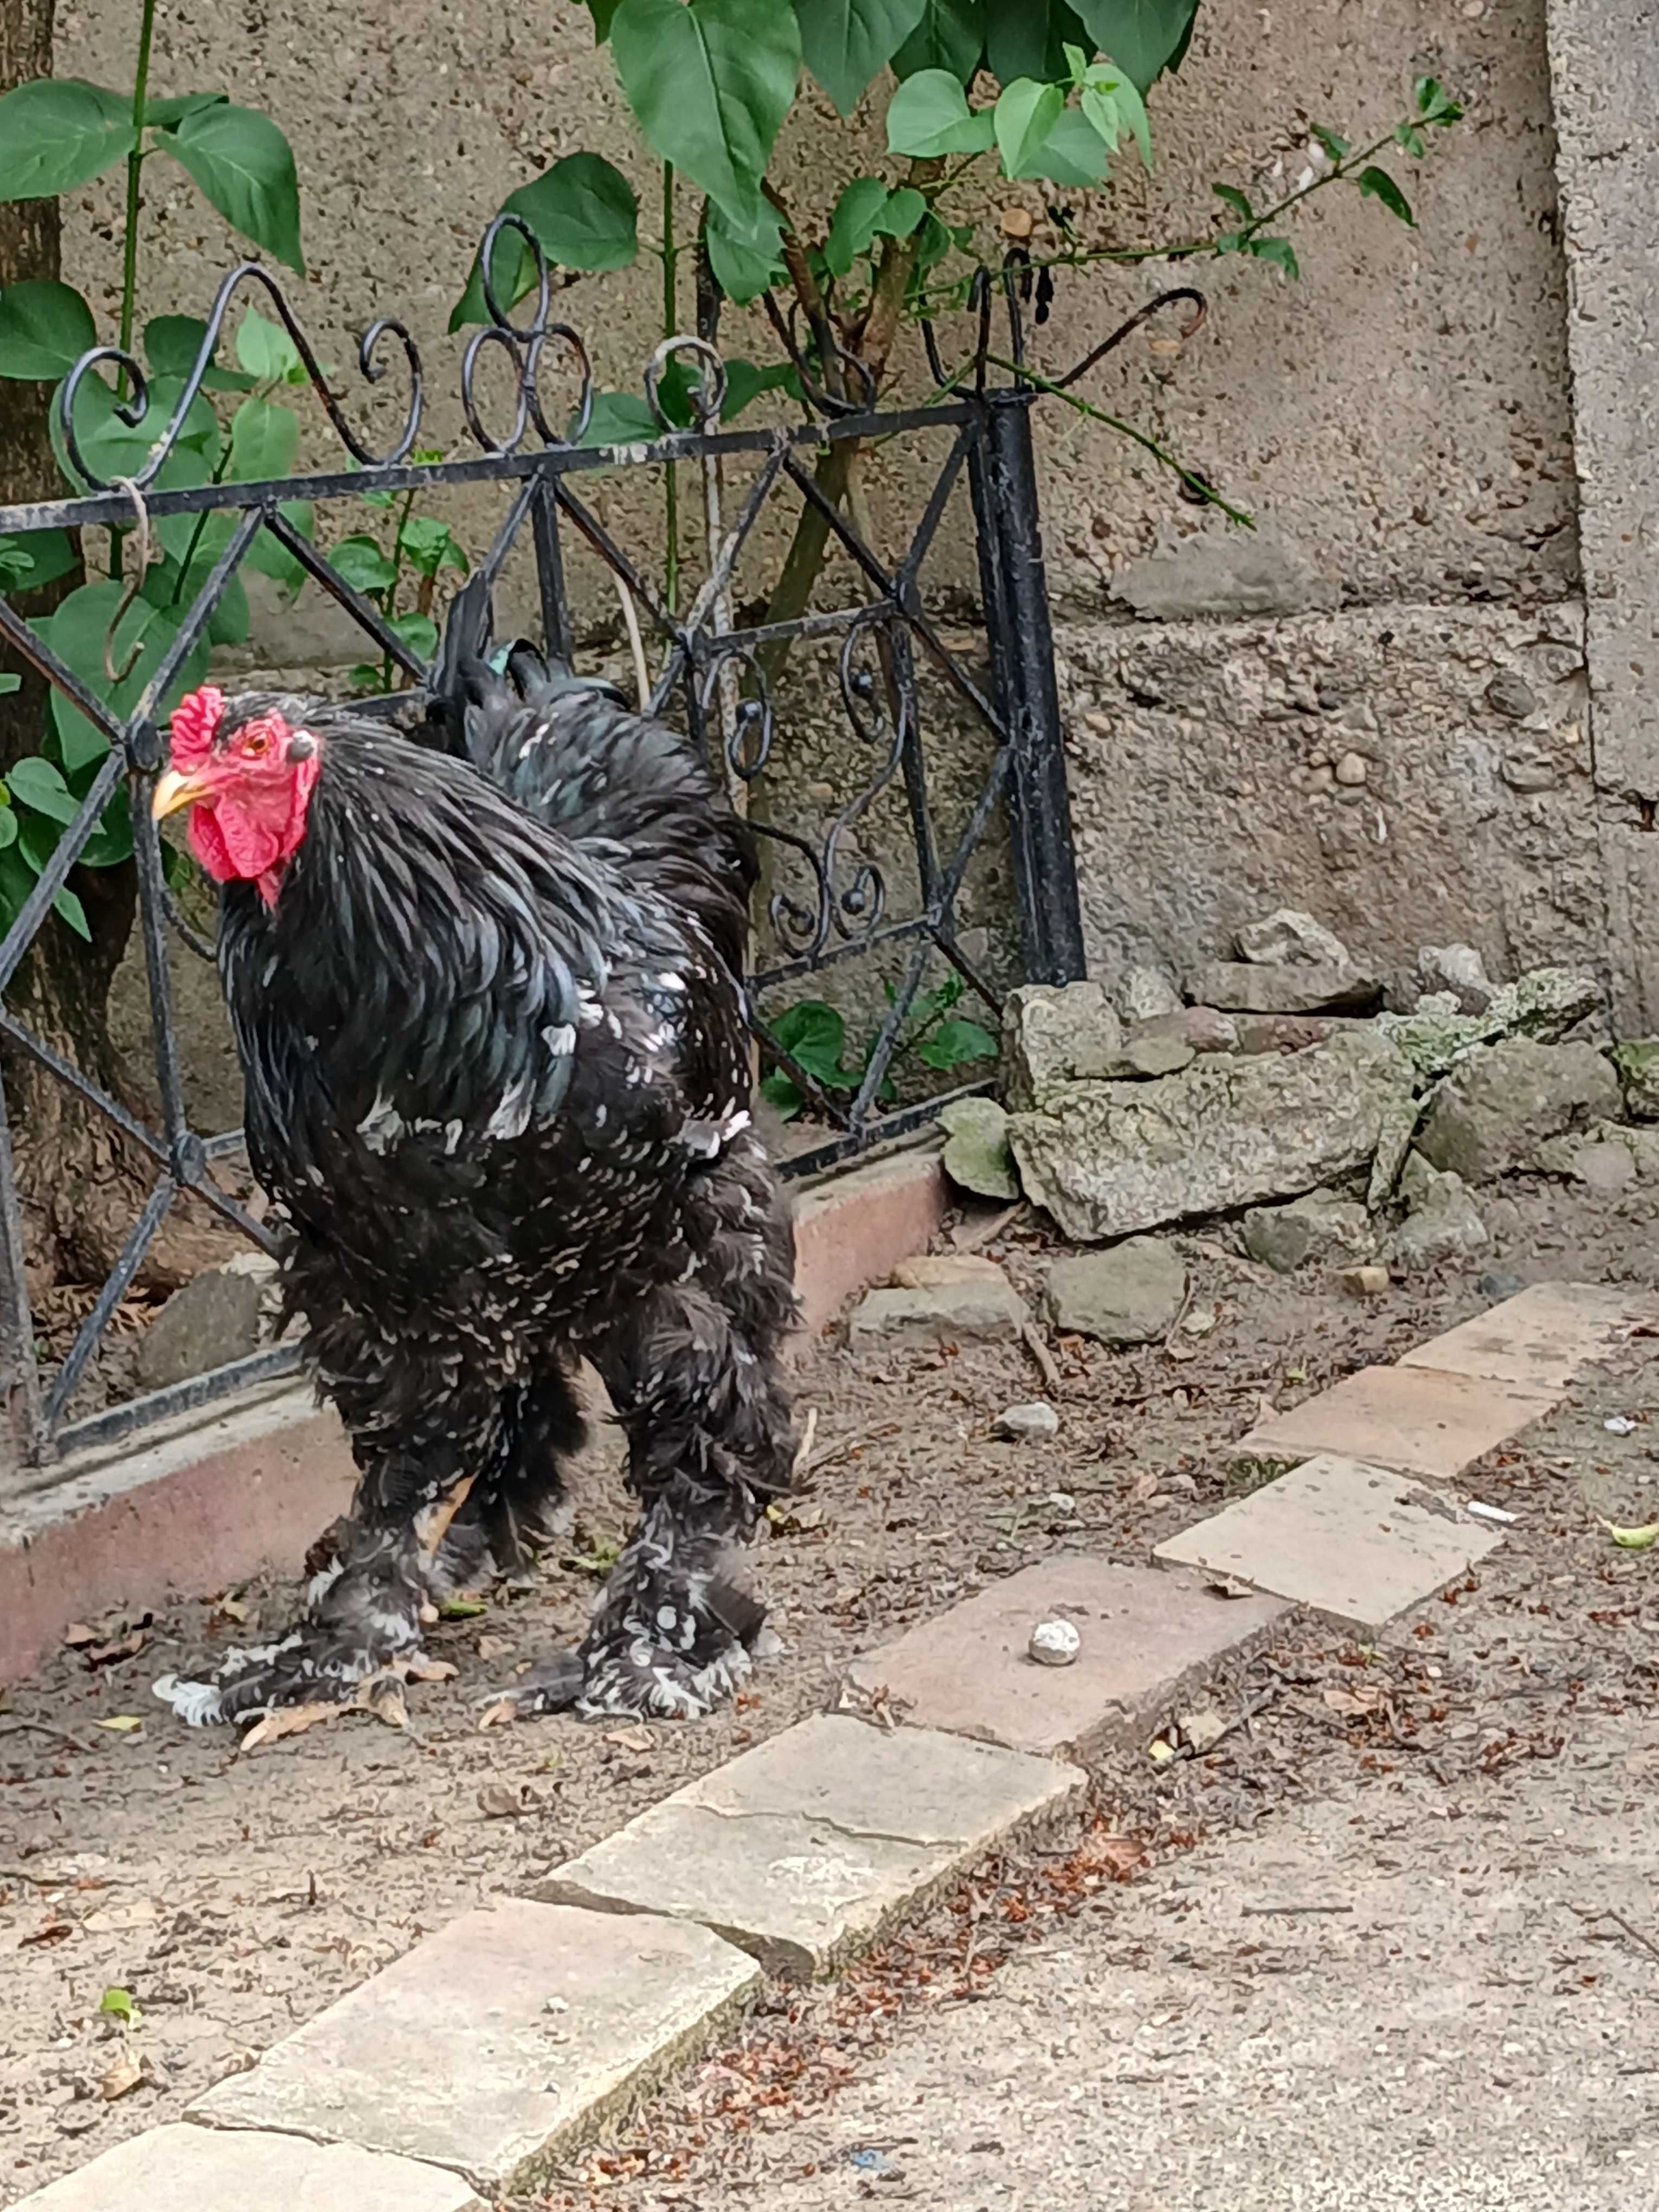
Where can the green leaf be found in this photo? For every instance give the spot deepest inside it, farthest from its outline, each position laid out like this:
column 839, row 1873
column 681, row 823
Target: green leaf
column 7, row 819
column 50, row 554
column 362, row 564
column 1336, row 148
column 119, row 2003
column 272, row 559
column 193, row 543
column 1113, row 105
column 418, row 632
column 266, row 351
column 852, row 226
column 746, row 251
column 1280, row 251
column 76, row 633
column 1635, row 1540
column 584, row 216
column 782, row 1093
column 949, row 36
column 846, row 42
column 1025, row 113
column 1029, row 38
column 1238, row 201
column 1073, row 153
column 16, row 566
column 710, row 82
column 814, row 1036
column 622, row 418
column 1409, row 135
column 60, row 132
column 746, row 382
column 114, row 448
column 245, row 166
column 929, row 115
column 171, row 345
column 904, row 210
column 429, row 545
column 1143, row 37
column 71, row 909
column 957, row 1044
column 603, row 10
column 1377, row 184
column 168, row 113
column 265, row 441
column 40, row 784
column 1434, row 103
column 44, row 328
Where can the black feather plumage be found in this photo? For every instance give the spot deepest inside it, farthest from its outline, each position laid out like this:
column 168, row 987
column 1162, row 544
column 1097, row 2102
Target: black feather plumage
column 497, row 1080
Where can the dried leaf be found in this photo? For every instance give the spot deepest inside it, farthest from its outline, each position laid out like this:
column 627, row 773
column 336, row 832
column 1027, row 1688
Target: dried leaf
column 1200, row 1322
column 122, row 1723
column 123, row 2075
column 499, row 1714
column 499, row 1803
column 287, row 1720
column 1145, row 1487
column 122, row 1647
column 1368, row 1700
column 232, row 1609
column 78, row 1633
column 421, row 1668
column 1159, row 1752
column 1635, row 1540
column 493, row 1647
column 629, row 1738
column 50, row 1931
column 1228, row 1586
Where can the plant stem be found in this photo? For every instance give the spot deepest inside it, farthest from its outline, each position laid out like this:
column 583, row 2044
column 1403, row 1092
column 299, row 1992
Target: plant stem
column 129, row 242
column 1159, row 454
column 389, row 602
column 671, row 255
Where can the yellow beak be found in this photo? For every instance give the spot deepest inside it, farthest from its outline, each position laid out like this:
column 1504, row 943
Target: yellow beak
column 174, row 790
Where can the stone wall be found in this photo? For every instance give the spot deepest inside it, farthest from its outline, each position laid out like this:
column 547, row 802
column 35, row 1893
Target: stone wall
column 1399, row 424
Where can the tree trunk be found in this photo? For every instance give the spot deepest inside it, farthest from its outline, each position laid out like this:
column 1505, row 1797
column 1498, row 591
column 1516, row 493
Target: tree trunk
column 81, row 1186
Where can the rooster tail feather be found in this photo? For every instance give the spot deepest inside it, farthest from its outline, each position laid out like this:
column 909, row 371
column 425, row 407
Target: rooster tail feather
column 474, row 686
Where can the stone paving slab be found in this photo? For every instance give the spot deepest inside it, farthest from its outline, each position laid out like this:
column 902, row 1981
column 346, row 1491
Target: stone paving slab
column 1357, row 1542
column 1148, row 1638
column 185, row 2169
column 1542, row 1337
column 496, row 2043
column 1416, row 1420
column 803, row 1849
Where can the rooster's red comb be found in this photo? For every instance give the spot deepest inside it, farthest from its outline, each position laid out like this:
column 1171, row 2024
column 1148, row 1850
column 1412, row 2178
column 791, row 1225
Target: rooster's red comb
column 194, row 720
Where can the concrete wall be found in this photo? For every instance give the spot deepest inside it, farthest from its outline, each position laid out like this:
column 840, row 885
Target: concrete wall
column 1399, row 424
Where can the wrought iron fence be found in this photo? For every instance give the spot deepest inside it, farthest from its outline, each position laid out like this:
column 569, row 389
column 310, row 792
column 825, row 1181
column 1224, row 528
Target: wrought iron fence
column 826, row 902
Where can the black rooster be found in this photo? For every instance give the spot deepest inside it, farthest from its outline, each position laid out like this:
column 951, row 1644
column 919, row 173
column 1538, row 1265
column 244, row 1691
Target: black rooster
column 486, row 991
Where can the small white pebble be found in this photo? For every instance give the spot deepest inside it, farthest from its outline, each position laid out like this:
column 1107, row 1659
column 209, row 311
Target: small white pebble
column 1054, row 1644
column 1620, row 1425
column 1022, row 1424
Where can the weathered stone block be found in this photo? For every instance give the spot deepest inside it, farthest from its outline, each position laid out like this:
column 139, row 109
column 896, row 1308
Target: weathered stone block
column 1492, row 1113
column 1412, row 1418
column 185, row 2169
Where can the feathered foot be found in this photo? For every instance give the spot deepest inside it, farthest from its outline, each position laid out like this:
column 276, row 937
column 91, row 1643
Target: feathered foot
column 670, row 1639
column 362, row 1613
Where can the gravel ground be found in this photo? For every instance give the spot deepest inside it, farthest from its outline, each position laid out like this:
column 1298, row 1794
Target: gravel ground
column 231, row 1897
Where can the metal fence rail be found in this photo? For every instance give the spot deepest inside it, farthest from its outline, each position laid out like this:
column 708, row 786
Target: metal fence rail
column 827, row 905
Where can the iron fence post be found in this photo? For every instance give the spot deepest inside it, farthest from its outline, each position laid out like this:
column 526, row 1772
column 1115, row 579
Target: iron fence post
column 1003, row 477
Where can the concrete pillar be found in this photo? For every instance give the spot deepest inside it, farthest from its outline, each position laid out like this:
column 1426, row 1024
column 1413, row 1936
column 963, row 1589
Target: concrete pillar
column 1604, row 70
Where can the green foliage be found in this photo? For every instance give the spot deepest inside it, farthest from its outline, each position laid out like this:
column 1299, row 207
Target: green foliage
column 584, row 216
column 814, row 1034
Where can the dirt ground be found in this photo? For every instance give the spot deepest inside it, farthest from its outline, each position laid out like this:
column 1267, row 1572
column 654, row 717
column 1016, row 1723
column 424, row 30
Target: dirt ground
column 230, row 1896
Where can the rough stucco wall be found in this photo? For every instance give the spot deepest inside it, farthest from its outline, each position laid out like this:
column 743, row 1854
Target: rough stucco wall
column 1605, row 57
column 1204, row 793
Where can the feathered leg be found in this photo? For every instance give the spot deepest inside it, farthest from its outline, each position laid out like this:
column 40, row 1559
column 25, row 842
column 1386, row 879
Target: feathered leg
column 425, row 1427
column 694, row 1374
column 509, row 1513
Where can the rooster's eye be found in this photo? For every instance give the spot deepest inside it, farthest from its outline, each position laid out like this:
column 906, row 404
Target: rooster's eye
column 256, row 744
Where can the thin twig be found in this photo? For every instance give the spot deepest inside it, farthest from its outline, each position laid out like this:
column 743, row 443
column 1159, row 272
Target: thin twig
column 1275, row 1911
column 1032, row 1338
column 636, row 644
column 1606, row 1912
column 46, row 1727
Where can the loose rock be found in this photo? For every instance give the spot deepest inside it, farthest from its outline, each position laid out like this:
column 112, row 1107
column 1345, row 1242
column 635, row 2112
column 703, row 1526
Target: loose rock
column 1056, row 1034
column 1130, row 1295
column 1545, row 1003
column 1393, row 1142
column 1291, row 937
column 1030, row 1423
column 1442, row 1223
column 1306, row 987
column 224, row 1314
column 1638, row 1066
column 1054, row 1644
column 1365, row 1282
column 1145, row 1058
column 976, row 1154
column 1144, row 993
column 1352, row 770
column 944, row 1271
column 1495, row 1109
column 1459, row 969
column 1107, row 1159
column 1320, row 1226
column 1204, row 1028
column 945, row 1314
